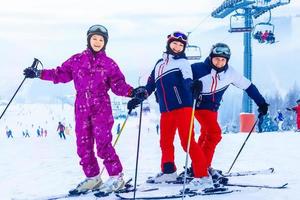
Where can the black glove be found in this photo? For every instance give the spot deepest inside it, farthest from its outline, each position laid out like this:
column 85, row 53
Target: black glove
column 32, row 72
column 263, row 109
column 133, row 103
column 140, row 93
column 196, row 87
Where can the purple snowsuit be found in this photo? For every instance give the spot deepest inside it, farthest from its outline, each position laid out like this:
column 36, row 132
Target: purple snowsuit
column 93, row 76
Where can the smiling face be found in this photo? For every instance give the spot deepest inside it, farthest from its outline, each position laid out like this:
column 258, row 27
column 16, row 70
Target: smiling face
column 176, row 46
column 219, row 62
column 97, row 42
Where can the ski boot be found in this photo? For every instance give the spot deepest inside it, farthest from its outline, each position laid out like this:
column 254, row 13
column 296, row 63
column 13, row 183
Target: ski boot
column 163, row 178
column 90, row 183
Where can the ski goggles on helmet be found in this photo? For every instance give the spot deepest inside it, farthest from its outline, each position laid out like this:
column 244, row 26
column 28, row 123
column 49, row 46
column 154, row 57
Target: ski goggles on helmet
column 179, row 36
column 222, row 51
column 97, row 28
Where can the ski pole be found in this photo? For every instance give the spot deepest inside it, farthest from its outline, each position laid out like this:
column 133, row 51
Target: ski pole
column 118, row 133
column 138, row 150
column 259, row 116
column 188, row 148
column 34, row 65
column 122, row 127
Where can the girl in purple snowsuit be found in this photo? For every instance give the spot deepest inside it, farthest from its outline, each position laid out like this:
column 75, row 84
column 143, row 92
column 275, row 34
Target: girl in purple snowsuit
column 93, row 73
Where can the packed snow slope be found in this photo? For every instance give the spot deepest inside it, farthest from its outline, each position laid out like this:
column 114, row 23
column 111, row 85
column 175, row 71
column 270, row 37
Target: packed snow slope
column 41, row 166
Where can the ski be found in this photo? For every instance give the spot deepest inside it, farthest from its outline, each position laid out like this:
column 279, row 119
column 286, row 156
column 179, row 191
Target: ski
column 283, row 186
column 215, row 191
column 237, row 185
column 249, row 173
column 231, row 174
column 127, row 186
column 55, row 197
column 127, row 189
column 139, row 188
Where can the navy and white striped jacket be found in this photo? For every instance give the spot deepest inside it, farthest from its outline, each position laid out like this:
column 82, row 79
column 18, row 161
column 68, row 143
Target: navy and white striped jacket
column 171, row 78
column 215, row 84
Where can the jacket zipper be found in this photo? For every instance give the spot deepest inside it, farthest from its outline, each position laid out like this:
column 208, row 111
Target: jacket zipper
column 177, row 95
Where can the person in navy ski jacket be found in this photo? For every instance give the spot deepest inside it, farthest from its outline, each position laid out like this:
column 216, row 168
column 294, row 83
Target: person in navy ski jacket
column 216, row 76
column 61, row 130
column 171, row 78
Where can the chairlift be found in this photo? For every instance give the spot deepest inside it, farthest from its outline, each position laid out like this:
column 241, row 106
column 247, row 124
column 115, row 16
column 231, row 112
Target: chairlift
column 237, row 24
column 193, row 52
column 264, row 32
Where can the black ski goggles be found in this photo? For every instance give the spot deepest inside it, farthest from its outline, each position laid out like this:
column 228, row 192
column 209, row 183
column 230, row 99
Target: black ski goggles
column 179, row 36
column 221, row 51
column 99, row 28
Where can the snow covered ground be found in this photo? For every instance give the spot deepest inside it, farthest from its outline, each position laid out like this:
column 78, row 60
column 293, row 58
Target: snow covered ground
column 36, row 167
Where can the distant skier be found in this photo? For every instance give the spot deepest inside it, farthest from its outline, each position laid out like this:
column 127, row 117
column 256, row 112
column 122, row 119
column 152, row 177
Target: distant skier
column 38, row 132
column 45, row 133
column 67, row 130
column 279, row 119
column 172, row 80
column 9, row 133
column 217, row 75
column 157, row 129
column 61, row 130
column 27, row 133
column 297, row 110
column 94, row 74
column 118, row 128
column 42, row 132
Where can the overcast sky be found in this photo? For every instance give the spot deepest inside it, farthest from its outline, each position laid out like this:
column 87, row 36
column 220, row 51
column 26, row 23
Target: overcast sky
column 53, row 30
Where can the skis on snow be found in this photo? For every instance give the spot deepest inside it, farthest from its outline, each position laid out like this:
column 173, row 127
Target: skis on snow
column 214, row 191
column 145, row 190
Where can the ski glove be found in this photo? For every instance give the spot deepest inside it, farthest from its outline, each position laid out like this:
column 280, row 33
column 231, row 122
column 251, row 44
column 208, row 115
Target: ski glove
column 196, row 87
column 133, row 103
column 140, row 93
column 263, row 109
column 31, row 72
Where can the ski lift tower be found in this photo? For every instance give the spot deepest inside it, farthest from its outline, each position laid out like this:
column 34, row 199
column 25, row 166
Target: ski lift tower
column 246, row 10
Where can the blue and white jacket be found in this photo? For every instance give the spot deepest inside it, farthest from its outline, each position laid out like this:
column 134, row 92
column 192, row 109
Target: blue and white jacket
column 171, row 78
column 215, row 84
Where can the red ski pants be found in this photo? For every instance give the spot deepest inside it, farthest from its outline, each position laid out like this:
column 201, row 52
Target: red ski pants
column 180, row 119
column 210, row 134
column 298, row 122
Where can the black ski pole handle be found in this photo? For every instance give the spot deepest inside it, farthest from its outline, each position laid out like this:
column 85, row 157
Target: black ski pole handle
column 36, row 62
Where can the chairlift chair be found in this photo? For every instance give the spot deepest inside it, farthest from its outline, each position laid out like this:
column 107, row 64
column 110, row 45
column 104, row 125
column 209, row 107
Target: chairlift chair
column 193, row 52
column 237, row 24
column 263, row 26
